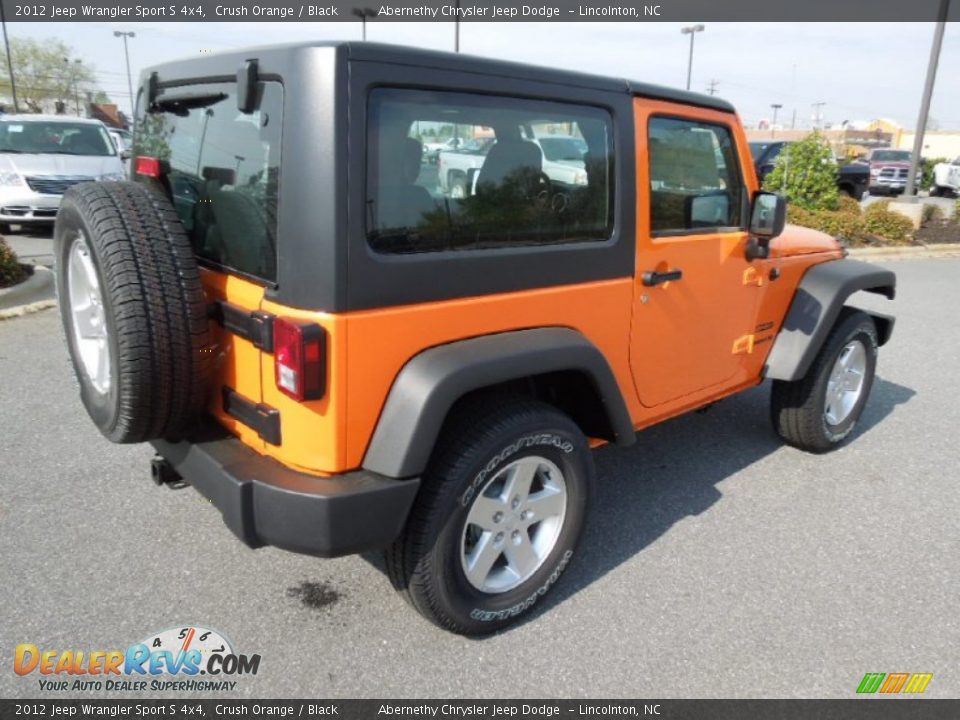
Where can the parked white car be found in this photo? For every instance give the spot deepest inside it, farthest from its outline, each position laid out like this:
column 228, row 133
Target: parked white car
column 41, row 156
column 946, row 178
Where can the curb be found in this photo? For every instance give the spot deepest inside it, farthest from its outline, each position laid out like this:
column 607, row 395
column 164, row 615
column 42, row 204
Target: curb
column 36, row 293
column 909, row 252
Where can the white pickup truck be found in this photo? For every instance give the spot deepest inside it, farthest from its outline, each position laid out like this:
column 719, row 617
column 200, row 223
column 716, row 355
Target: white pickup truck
column 946, row 178
column 562, row 162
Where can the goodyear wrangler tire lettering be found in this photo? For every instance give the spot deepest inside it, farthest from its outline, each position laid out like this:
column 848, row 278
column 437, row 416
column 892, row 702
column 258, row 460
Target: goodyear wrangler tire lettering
column 514, row 468
column 487, row 616
column 543, row 439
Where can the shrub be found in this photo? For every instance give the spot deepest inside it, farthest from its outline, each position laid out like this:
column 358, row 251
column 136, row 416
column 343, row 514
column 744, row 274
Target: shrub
column 806, row 173
column 877, row 206
column 890, row 226
column 845, row 226
column 849, row 205
column 926, row 170
column 931, row 213
column 10, row 270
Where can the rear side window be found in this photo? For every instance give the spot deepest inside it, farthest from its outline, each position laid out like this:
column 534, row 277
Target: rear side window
column 454, row 171
column 222, row 171
column 695, row 180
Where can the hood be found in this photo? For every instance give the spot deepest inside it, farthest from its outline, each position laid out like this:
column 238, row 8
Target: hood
column 796, row 240
column 890, row 164
column 29, row 165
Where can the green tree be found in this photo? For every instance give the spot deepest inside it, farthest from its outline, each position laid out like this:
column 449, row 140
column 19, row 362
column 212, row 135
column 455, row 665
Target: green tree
column 151, row 136
column 806, row 174
column 46, row 73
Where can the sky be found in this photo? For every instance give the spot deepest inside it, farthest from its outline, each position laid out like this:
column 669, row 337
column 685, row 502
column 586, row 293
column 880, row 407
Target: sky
column 861, row 71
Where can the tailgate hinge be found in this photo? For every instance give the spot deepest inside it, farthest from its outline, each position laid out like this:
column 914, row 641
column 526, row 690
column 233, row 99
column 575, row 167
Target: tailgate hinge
column 253, row 325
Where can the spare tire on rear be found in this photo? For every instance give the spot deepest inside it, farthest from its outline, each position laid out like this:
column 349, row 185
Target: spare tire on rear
column 133, row 310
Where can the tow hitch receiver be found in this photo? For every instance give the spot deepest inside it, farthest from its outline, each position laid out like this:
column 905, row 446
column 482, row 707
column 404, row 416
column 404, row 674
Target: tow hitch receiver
column 162, row 473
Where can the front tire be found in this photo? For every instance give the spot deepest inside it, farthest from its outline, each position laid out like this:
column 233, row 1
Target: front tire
column 818, row 411
column 498, row 517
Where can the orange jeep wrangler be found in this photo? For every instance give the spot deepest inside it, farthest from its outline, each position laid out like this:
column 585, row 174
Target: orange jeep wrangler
column 343, row 356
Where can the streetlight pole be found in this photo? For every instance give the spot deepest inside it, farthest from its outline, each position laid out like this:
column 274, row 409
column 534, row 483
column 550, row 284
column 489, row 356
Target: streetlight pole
column 817, row 114
column 690, row 30
column 126, row 53
column 456, row 29
column 6, row 43
column 363, row 14
column 773, row 124
column 203, row 136
column 71, row 79
column 927, row 94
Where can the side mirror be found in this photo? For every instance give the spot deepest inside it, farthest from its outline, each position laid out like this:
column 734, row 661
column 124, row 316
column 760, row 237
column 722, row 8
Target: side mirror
column 768, row 216
column 125, row 155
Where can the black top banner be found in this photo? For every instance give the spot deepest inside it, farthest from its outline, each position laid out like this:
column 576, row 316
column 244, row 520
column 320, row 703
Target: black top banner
column 481, row 11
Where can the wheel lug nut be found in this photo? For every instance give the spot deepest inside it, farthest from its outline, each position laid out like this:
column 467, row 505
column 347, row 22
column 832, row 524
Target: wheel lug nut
column 497, row 517
column 516, row 536
column 516, row 503
column 498, row 538
column 525, row 514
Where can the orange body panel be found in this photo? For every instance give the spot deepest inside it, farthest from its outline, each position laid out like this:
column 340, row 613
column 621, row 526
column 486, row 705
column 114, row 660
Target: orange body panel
column 236, row 361
column 684, row 333
column 314, row 434
column 672, row 348
column 380, row 342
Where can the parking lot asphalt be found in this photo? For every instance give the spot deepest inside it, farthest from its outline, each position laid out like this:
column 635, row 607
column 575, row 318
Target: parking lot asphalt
column 716, row 561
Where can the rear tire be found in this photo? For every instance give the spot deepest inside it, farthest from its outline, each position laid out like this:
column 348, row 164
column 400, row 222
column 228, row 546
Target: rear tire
column 464, row 559
column 133, row 310
column 818, row 411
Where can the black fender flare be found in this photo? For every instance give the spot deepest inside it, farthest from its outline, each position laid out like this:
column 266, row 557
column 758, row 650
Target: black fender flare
column 819, row 298
column 432, row 381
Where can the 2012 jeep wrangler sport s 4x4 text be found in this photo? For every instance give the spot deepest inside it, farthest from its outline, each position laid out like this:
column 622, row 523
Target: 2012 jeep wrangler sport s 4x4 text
column 343, row 357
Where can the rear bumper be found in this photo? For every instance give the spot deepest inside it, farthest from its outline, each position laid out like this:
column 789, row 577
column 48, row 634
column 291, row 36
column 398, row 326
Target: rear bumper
column 266, row 503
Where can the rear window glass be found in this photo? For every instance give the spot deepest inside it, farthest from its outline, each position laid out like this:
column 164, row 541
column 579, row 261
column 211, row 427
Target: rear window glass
column 222, row 171
column 454, row 171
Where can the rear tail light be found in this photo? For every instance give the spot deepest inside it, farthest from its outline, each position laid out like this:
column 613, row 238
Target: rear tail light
column 148, row 166
column 298, row 354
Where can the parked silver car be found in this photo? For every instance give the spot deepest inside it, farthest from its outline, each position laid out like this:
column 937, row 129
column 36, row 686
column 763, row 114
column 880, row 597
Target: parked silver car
column 41, row 156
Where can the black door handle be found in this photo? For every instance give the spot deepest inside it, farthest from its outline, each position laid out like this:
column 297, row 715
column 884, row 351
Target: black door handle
column 652, row 277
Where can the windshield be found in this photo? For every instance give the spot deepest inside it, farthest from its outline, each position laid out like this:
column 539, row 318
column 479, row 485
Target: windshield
column 59, row 138
column 891, row 156
column 566, row 148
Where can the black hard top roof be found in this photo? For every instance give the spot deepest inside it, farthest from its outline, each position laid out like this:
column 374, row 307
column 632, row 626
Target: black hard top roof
column 417, row 57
